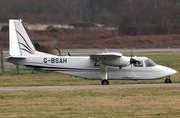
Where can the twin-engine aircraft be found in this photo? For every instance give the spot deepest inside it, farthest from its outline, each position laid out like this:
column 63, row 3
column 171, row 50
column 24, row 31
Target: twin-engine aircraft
column 102, row 66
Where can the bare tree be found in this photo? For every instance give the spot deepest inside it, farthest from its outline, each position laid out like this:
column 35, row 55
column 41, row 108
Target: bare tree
column 167, row 16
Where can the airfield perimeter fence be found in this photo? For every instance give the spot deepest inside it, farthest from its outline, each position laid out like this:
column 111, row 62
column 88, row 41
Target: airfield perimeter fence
column 7, row 68
column 10, row 68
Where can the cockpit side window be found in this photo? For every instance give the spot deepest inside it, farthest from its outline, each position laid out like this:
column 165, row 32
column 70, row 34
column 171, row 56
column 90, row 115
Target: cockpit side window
column 150, row 63
column 138, row 64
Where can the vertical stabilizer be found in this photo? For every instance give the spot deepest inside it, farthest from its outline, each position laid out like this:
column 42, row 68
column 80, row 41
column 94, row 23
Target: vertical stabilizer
column 19, row 42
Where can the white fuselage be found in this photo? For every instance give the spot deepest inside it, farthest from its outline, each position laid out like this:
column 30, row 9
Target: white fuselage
column 102, row 66
column 86, row 67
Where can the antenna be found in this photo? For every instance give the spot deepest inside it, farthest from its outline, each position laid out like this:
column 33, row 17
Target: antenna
column 20, row 19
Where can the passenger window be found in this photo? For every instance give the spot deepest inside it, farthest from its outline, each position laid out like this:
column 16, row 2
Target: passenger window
column 138, row 64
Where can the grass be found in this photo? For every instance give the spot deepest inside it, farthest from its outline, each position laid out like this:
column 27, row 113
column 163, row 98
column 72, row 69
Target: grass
column 43, row 78
column 124, row 103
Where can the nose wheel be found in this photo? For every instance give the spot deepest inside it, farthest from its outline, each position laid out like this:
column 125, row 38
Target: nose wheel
column 105, row 82
column 168, row 80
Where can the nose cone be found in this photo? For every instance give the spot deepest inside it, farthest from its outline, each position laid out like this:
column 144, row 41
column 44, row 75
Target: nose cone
column 165, row 71
column 169, row 71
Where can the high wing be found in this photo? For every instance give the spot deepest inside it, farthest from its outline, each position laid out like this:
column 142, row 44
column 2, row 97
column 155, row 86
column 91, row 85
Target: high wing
column 106, row 55
column 109, row 59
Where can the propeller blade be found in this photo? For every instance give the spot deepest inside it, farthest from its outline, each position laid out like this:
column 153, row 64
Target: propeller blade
column 106, row 50
column 131, row 52
column 131, row 59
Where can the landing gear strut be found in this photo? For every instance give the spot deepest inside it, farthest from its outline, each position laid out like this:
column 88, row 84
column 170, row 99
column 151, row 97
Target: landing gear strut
column 105, row 82
column 168, row 80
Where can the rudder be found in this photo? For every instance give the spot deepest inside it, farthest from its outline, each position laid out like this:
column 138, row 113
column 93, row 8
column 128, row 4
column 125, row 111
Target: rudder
column 19, row 42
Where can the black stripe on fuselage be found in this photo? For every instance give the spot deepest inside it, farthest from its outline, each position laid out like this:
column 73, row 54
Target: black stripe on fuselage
column 45, row 67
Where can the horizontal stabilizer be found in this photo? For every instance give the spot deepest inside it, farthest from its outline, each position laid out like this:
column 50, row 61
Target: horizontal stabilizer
column 16, row 57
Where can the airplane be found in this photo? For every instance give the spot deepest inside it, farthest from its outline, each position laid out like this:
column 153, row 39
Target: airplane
column 101, row 66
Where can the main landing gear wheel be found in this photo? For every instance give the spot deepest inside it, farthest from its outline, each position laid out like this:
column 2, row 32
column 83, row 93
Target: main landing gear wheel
column 105, row 82
column 168, row 80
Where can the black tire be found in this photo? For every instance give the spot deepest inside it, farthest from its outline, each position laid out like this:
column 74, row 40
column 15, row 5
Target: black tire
column 168, row 81
column 105, row 82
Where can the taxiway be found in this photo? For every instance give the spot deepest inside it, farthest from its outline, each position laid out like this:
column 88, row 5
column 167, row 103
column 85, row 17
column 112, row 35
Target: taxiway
column 32, row 88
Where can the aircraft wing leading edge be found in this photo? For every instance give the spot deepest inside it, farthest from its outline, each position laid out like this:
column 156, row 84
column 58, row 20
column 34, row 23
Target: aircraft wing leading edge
column 106, row 55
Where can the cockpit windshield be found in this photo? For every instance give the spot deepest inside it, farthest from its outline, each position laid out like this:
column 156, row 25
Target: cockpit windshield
column 150, row 63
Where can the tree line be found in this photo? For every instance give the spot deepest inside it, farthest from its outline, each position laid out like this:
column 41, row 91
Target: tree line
column 130, row 16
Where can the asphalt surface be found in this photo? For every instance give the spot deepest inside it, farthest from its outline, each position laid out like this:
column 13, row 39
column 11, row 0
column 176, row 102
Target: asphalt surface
column 64, row 52
column 93, row 51
column 33, row 88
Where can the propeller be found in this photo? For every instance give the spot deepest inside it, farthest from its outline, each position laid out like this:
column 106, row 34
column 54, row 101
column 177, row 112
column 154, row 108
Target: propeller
column 132, row 61
column 106, row 50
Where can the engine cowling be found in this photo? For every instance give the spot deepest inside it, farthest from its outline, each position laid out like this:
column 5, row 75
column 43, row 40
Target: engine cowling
column 119, row 61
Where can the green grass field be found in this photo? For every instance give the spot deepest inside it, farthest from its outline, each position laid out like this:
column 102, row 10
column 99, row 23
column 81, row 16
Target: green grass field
column 105, row 103
column 124, row 103
column 43, row 78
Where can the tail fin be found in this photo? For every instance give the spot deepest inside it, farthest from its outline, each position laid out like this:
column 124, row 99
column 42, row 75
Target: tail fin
column 19, row 42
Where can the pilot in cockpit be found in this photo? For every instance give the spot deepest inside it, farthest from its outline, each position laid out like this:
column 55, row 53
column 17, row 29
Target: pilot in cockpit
column 138, row 64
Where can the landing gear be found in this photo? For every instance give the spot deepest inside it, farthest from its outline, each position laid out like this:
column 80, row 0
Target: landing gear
column 168, row 80
column 105, row 82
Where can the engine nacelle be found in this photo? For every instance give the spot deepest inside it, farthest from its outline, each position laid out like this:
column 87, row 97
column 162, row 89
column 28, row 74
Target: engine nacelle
column 119, row 61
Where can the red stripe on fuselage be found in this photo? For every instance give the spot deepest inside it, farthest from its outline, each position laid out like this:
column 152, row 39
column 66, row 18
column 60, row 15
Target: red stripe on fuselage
column 73, row 70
